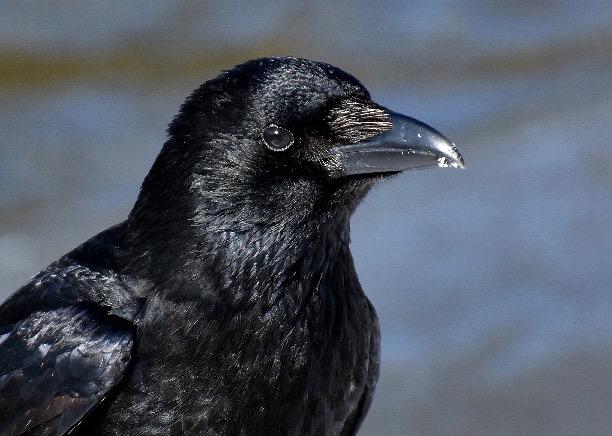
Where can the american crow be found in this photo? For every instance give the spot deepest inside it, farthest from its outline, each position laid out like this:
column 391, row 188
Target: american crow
column 227, row 303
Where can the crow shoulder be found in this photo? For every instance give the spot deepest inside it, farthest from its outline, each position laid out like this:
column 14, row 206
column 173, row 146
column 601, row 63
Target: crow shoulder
column 65, row 341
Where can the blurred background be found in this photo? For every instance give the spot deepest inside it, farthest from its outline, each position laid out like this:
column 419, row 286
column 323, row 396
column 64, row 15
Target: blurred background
column 493, row 284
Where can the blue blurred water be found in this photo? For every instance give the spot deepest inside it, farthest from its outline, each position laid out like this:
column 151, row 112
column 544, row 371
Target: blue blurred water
column 492, row 284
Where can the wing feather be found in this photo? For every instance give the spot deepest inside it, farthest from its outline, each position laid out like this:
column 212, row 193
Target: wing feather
column 56, row 365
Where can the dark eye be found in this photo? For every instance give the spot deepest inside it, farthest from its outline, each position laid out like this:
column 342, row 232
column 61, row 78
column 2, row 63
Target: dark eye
column 277, row 138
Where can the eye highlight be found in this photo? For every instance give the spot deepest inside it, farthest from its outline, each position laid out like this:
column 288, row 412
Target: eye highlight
column 277, row 138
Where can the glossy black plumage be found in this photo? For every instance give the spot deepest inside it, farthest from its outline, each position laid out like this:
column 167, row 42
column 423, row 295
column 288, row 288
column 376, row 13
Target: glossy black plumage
column 66, row 340
column 227, row 303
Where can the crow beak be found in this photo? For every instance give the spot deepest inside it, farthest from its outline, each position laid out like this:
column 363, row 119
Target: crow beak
column 409, row 145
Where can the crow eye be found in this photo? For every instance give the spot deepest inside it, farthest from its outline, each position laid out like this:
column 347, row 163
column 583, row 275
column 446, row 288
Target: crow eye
column 277, row 138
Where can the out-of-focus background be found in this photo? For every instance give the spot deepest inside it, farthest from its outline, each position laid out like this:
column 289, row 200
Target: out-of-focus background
column 493, row 284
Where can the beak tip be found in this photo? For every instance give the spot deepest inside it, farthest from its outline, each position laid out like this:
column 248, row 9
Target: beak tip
column 450, row 157
column 460, row 162
column 445, row 162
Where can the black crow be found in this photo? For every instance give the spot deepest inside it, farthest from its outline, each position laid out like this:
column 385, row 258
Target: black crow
column 227, row 303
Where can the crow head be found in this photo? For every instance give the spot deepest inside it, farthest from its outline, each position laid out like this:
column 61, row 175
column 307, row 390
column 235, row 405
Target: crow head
column 282, row 139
